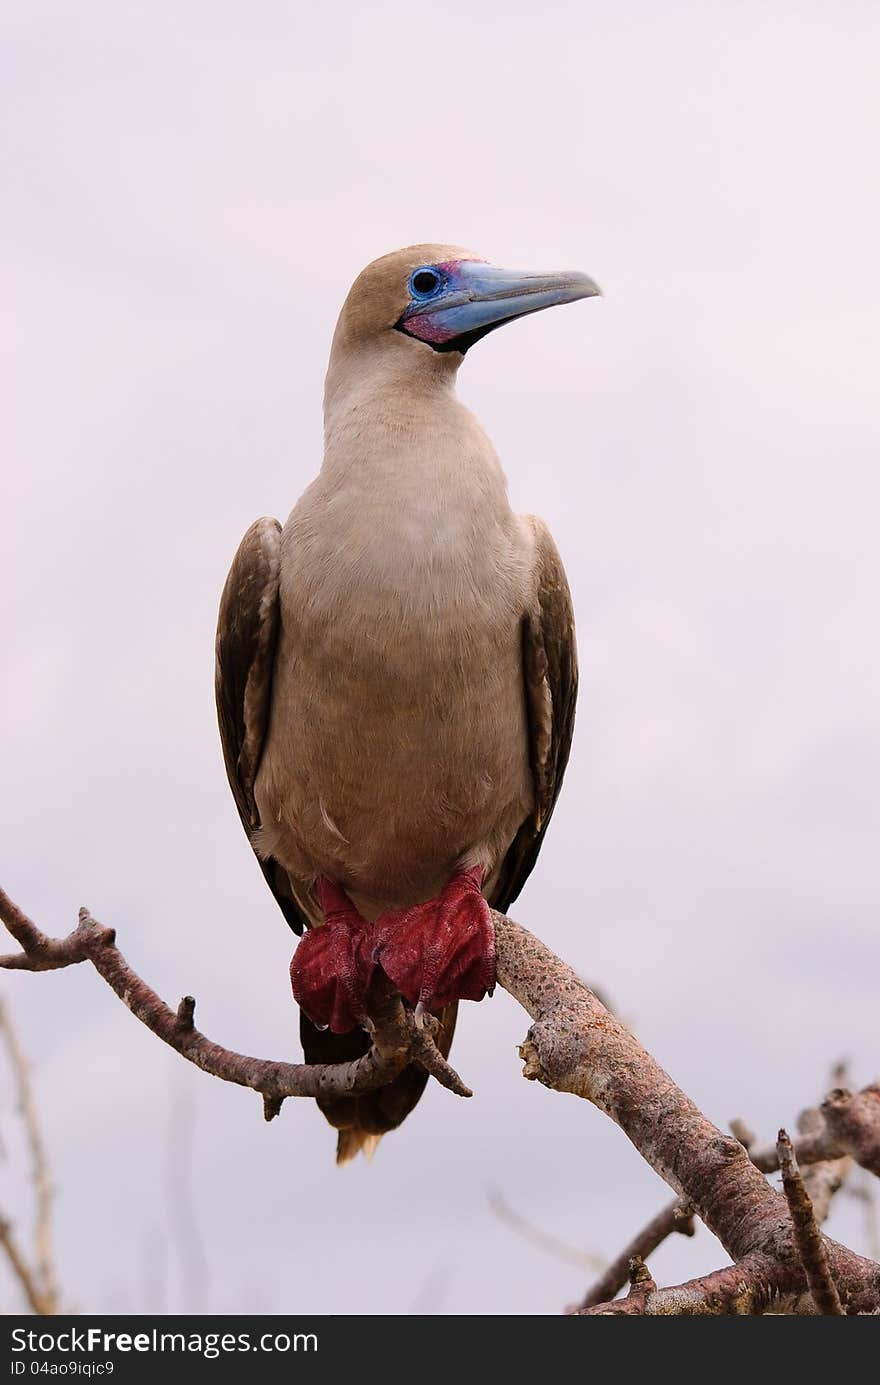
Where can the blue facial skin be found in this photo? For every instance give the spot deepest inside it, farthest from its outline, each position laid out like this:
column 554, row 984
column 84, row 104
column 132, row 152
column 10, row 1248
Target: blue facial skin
column 452, row 305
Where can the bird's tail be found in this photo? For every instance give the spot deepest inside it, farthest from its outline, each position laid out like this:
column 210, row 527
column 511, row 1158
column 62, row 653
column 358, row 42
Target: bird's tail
column 363, row 1120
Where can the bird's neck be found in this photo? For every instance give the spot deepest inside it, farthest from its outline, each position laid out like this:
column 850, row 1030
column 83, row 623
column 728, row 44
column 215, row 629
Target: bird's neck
column 394, row 367
column 392, row 418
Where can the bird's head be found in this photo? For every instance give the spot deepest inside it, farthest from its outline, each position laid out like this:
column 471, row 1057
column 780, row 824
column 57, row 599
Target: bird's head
column 442, row 299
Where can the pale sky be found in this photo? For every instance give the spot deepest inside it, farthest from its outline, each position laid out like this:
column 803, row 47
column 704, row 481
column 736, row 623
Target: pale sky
column 189, row 191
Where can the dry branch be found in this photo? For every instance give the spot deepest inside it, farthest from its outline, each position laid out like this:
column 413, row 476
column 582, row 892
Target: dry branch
column 823, row 1179
column 23, row 1272
column 396, row 1040
column 854, row 1120
column 677, row 1216
column 808, row 1238
column 814, row 1147
column 826, row 1177
column 574, row 1045
column 826, row 1169
column 757, row 1284
column 544, row 1240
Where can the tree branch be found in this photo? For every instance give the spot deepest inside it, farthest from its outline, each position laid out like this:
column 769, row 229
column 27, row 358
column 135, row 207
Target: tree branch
column 823, row 1179
column 396, row 1041
column 808, row 1238
column 826, row 1177
column 677, row 1216
column 854, row 1120
column 757, row 1284
column 575, row 1045
column 33, row 1291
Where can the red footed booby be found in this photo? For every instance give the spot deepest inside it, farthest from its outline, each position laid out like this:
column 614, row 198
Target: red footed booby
column 396, row 673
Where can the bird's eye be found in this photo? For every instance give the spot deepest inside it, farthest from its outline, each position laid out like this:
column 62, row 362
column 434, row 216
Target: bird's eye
column 424, row 282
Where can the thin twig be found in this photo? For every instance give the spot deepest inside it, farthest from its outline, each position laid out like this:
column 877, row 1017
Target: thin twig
column 824, row 1179
column 641, row 1283
column 677, row 1216
column 812, row 1148
column 44, row 1268
column 757, row 1284
column 26, row 1277
column 544, row 1240
column 807, row 1235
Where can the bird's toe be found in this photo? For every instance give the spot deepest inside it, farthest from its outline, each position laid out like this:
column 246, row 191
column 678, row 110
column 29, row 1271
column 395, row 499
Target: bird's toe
column 333, row 969
column 442, row 950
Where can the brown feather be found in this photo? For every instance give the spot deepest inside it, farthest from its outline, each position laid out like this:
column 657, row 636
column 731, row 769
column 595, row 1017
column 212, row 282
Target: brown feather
column 550, row 673
column 247, row 635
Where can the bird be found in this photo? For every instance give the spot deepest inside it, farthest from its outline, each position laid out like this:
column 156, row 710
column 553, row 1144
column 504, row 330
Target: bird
column 396, row 674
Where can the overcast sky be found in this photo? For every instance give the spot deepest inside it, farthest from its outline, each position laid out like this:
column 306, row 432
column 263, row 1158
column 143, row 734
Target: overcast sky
column 189, row 191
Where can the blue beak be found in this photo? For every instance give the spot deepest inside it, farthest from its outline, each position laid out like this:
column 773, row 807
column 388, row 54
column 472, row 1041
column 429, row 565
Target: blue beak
column 473, row 298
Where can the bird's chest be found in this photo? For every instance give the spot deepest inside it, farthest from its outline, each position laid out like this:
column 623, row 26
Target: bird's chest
column 398, row 691
column 403, row 616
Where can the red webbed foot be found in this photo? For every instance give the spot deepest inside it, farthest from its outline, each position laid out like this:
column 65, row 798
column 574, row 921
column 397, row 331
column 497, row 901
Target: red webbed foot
column 333, row 969
column 442, row 950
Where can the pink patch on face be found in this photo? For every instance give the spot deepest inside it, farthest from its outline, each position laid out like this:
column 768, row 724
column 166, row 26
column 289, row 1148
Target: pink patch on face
column 425, row 329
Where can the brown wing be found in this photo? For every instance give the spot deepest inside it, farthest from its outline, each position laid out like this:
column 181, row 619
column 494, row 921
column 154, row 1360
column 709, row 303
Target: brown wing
column 550, row 676
column 247, row 632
